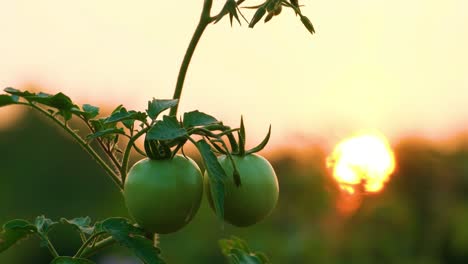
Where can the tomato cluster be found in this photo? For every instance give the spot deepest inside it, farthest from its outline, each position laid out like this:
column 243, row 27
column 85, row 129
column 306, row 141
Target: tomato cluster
column 164, row 195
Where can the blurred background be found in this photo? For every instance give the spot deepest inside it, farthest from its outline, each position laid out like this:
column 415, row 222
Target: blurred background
column 395, row 67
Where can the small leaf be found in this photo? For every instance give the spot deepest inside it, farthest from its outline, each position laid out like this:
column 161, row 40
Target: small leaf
column 156, row 106
column 131, row 237
column 13, row 231
column 70, row 260
column 90, row 111
column 123, row 114
column 6, row 100
column 16, row 92
column 261, row 11
column 237, row 251
column 59, row 101
column 216, row 174
column 44, row 225
column 197, row 118
column 106, row 132
column 82, row 224
column 167, row 129
column 308, row 24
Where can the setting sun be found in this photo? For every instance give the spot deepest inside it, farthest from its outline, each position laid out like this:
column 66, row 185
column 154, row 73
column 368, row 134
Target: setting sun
column 364, row 161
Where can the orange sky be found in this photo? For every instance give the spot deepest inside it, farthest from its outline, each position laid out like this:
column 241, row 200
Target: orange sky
column 397, row 66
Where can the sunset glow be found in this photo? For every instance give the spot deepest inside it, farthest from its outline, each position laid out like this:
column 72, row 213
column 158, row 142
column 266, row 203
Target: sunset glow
column 364, row 161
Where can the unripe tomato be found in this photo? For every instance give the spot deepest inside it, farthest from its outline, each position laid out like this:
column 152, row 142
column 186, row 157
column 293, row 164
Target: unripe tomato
column 163, row 195
column 255, row 198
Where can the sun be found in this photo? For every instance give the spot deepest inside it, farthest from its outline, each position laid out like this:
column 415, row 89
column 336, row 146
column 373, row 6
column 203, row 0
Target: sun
column 363, row 162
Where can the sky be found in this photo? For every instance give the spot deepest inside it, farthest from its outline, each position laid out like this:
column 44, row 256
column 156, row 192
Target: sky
column 399, row 67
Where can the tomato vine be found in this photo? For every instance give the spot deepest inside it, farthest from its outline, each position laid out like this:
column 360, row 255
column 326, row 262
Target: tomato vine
column 222, row 149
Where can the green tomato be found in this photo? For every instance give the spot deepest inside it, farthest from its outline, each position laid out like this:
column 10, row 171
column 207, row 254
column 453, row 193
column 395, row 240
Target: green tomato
column 258, row 194
column 163, row 195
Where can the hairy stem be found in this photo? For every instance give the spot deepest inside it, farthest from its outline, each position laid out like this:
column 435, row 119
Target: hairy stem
column 205, row 20
column 83, row 143
column 89, row 251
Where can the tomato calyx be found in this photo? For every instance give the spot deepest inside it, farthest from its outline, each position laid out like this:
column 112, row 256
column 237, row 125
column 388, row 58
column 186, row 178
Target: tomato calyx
column 157, row 150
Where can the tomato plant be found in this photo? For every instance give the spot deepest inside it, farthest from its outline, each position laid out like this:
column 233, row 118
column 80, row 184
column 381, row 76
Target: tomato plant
column 162, row 191
column 163, row 195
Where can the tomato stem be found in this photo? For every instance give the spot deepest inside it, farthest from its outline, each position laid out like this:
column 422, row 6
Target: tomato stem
column 205, row 20
column 51, row 247
column 89, row 251
column 86, row 244
column 130, row 144
column 115, row 178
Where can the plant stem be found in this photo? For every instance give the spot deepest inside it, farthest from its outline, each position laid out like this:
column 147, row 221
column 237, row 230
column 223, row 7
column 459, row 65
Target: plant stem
column 51, row 247
column 84, row 144
column 85, row 244
column 123, row 170
column 89, row 251
column 205, row 20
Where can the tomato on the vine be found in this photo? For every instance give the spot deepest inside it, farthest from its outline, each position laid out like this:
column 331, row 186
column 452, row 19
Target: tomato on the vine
column 163, row 195
column 257, row 195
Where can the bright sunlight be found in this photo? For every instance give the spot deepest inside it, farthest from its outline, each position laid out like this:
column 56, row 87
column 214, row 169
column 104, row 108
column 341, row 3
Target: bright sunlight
column 362, row 163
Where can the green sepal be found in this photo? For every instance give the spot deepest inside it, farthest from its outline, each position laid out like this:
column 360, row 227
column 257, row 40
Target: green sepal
column 230, row 7
column 261, row 145
column 216, row 174
column 261, row 11
column 307, row 24
column 70, row 260
column 242, row 139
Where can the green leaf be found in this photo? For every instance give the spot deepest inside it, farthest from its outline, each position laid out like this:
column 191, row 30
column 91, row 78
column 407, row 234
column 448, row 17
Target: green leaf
column 237, row 251
column 70, row 260
column 90, row 111
column 6, row 100
column 156, row 106
column 197, row 118
column 167, row 129
column 123, row 115
column 82, row 224
column 59, row 101
column 13, row 231
column 44, row 225
column 307, row 24
column 106, row 132
column 216, row 174
column 131, row 237
column 16, row 92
